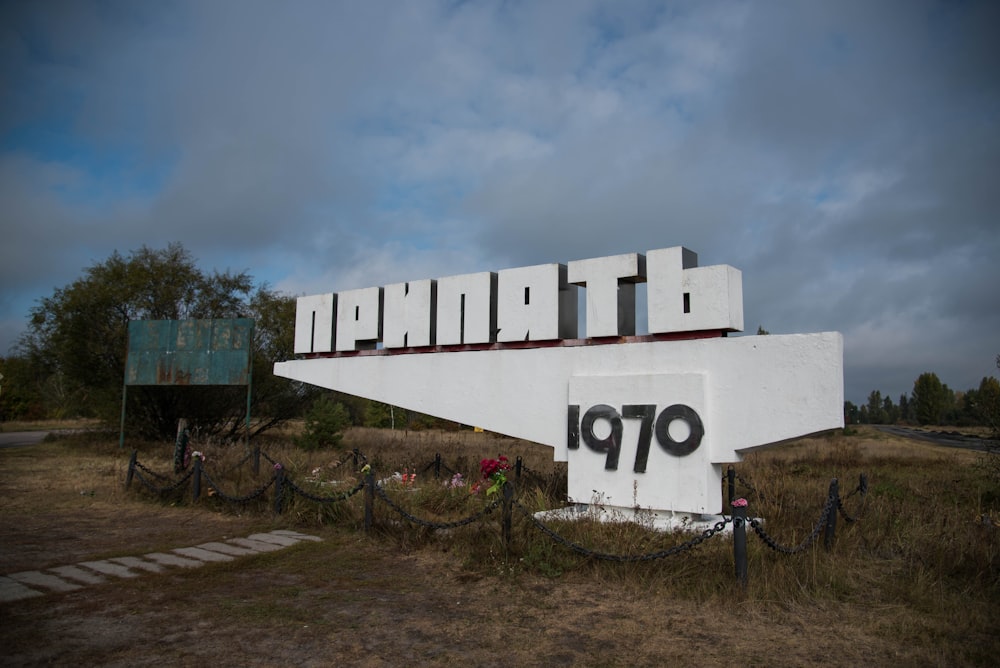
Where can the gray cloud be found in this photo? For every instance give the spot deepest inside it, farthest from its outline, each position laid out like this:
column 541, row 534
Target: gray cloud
column 842, row 155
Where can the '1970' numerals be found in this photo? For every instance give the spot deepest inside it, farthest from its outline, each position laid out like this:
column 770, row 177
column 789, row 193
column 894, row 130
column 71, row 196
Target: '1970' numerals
column 612, row 443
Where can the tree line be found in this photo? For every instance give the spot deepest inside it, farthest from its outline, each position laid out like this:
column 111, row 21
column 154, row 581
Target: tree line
column 933, row 403
column 70, row 361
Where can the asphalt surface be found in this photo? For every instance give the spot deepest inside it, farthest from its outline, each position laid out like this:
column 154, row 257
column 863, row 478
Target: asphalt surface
column 951, row 439
column 15, row 439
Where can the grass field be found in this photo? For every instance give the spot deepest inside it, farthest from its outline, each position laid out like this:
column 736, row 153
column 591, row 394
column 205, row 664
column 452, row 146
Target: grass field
column 915, row 582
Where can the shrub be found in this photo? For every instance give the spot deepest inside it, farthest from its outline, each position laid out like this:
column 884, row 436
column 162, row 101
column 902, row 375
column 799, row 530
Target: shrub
column 325, row 422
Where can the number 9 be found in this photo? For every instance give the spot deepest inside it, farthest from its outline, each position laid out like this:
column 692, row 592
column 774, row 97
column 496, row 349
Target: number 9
column 612, row 443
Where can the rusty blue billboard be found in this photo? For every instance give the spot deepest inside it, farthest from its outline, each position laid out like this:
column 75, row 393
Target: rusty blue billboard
column 189, row 352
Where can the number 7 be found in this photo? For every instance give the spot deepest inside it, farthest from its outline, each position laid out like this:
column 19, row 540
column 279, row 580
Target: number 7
column 646, row 413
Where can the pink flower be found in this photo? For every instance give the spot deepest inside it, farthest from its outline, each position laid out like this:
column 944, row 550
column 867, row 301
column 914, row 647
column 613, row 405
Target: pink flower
column 277, row 466
column 739, row 503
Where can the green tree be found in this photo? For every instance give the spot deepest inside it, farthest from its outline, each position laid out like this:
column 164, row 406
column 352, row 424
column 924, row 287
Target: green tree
column 325, row 423
column 890, row 412
column 905, row 408
column 930, row 398
column 76, row 341
column 20, row 391
column 851, row 413
column 986, row 404
column 875, row 413
column 378, row 414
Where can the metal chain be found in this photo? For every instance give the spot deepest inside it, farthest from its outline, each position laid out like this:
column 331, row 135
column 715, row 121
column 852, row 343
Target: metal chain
column 161, row 490
column 861, row 489
column 237, row 499
column 139, row 465
column 325, row 499
column 444, row 467
column 773, row 544
column 436, row 525
column 238, row 464
column 624, row 558
column 746, row 483
column 348, row 457
column 539, row 478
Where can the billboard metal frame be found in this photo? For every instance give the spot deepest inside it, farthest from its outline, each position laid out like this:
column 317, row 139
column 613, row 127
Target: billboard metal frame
column 183, row 353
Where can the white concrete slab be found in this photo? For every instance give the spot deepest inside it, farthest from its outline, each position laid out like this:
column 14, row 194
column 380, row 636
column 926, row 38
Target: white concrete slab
column 202, row 554
column 173, row 560
column 256, row 545
column 108, row 568
column 44, row 580
column 12, row 590
column 226, row 548
column 78, row 574
column 276, row 539
column 137, row 563
column 296, row 534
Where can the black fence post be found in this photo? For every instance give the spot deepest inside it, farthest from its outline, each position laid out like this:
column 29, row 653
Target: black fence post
column 369, row 499
column 508, row 504
column 731, row 478
column 437, row 465
column 740, row 543
column 256, row 459
column 196, row 479
column 831, row 516
column 279, row 480
column 355, row 453
column 518, row 464
column 131, row 468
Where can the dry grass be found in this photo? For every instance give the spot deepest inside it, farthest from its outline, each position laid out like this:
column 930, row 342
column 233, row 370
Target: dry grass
column 48, row 425
column 916, row 582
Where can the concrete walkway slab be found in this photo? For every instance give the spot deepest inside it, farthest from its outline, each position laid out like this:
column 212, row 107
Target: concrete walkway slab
column 296, row 535
column 226, row 548
column 108, row 568
column 78, row 574
column 276, row 539
column 137, row 563
column 12, row 590
column 28, row 584
column 202, row 554
column 255, row 545
column 44, row 580
column 173, row 560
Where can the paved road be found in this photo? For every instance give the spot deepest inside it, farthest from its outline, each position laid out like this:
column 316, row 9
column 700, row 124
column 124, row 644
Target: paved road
column 952, row 439
column 13, row 439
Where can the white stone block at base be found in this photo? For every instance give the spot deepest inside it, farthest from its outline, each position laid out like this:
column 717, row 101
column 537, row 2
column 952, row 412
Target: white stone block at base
column 657, row 520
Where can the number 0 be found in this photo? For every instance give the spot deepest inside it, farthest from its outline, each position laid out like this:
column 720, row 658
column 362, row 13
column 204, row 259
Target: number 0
column 689, row 444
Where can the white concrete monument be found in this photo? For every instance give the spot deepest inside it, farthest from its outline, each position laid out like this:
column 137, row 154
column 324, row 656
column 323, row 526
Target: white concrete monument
column 643, row 421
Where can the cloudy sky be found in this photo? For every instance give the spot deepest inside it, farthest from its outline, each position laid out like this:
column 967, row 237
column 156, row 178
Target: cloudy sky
column 844, row 155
